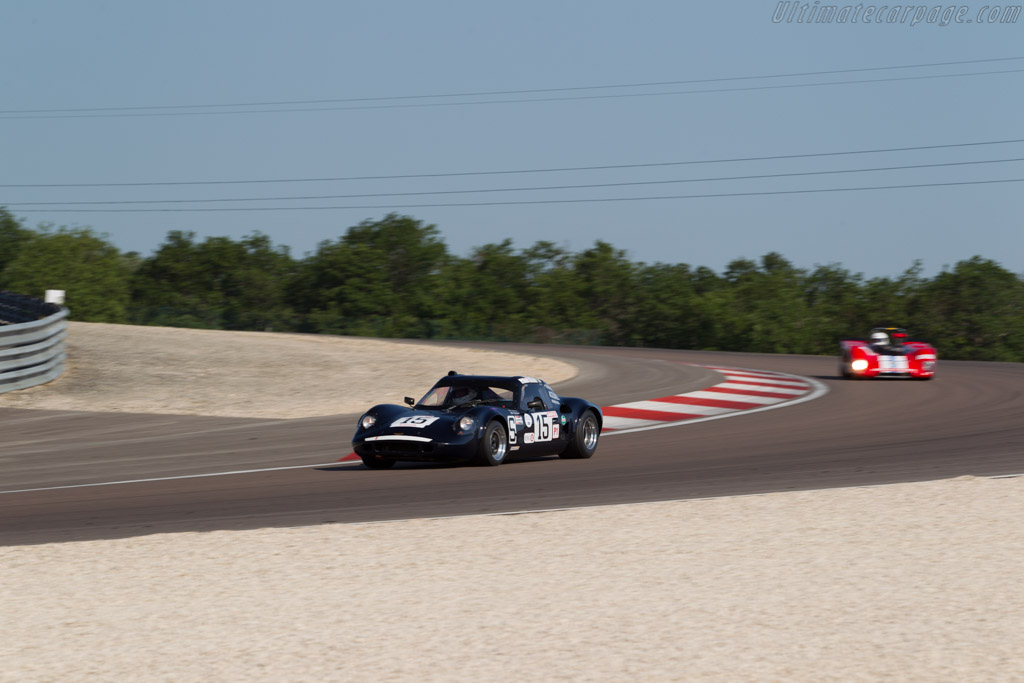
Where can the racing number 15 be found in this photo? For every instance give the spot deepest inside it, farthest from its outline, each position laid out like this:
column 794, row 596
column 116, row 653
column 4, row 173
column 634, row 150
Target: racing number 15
column 542, row 426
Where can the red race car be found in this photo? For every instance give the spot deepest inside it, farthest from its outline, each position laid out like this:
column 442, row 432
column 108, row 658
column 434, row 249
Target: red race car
column 887, row 353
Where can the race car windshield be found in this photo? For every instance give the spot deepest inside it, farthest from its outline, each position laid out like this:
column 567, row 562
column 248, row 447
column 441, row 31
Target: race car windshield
column 463, row 394
column 435, row 397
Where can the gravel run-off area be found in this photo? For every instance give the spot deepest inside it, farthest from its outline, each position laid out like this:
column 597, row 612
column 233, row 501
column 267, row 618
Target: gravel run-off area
column 908, row 582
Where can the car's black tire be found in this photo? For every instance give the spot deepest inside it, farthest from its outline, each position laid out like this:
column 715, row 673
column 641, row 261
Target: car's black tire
column 377, row 462
column 493, row 445
column 584, row 440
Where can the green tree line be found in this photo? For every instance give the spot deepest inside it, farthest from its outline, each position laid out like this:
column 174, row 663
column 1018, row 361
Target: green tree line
column 395, row 278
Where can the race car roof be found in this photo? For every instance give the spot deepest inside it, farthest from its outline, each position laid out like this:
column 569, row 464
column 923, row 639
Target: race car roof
column 506, row 382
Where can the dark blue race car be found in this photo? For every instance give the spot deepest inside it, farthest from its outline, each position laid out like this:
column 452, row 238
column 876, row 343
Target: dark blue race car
column 480, row 419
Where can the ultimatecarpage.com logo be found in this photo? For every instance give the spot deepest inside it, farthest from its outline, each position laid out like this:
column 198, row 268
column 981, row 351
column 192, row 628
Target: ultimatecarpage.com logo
column 792, row 12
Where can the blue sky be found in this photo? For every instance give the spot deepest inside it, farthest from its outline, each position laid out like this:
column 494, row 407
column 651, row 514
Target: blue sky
column 65, row 55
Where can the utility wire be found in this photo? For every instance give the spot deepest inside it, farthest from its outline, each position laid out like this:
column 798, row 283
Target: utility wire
column 541, row 201
column 492, row 93
column 513, row 189
column 604, row 167
column 6, row 117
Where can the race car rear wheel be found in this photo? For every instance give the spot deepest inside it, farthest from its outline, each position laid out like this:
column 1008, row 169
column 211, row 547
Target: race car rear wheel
column 377, row 462
column 493, row 446
column 584, row 441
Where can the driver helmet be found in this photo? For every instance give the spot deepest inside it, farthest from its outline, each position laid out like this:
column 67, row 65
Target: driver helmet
column 879, row 338
column 461, row 395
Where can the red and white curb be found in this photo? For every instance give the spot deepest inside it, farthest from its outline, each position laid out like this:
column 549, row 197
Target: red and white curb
column 743, row 391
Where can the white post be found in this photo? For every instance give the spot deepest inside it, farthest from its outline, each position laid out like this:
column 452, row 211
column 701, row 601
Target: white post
column 55, row 296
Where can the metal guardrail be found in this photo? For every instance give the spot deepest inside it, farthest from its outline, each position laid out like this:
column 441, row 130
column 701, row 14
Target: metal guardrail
column 32, row 341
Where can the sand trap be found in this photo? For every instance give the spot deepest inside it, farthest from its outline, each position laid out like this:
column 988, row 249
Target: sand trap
column 135, row 369
column 901, row 583
column 915, row 582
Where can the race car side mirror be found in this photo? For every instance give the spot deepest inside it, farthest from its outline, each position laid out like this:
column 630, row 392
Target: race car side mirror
column 565, row 409
column 410, row 400
column 535, row 404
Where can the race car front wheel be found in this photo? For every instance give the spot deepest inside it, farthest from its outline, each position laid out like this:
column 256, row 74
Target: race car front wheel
column 493, row 446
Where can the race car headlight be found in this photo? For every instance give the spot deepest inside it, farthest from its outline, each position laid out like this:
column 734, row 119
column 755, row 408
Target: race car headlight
column 367, row 421
column 466, row 423
column 859, row 364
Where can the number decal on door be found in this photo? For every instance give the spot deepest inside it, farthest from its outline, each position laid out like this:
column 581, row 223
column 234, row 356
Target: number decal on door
column 545, row 428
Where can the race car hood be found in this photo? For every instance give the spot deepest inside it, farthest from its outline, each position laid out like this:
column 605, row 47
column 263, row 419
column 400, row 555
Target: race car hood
column 430, row 424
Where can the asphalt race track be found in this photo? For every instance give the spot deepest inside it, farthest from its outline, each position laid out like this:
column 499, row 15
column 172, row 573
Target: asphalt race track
column 965, row 422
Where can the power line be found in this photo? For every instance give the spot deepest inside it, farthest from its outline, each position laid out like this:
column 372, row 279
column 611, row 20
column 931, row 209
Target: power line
column 392, row 207
column 505, row 101
column 517, row 189
column 492, row 93
column 604, row 167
